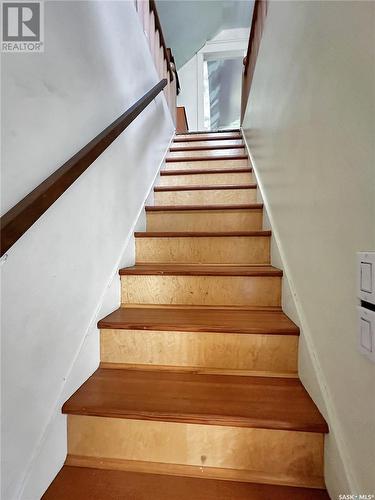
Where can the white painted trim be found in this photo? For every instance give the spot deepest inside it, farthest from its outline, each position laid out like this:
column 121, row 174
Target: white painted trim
column 227, row 54
column 224, row 46
column 200, row 91
column 228, row 40
column 212, row 50
column 210, row 55
column 335, row 427
column 92, row 322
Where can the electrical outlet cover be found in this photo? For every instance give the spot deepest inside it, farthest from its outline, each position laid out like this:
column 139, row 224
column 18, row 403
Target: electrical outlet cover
column 366, row 332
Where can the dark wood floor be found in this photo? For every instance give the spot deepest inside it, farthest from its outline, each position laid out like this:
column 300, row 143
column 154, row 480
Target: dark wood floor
column 79, row 483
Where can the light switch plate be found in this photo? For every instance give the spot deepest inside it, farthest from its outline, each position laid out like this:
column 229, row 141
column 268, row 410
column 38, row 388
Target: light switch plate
column 366, row 276
column 366, row 332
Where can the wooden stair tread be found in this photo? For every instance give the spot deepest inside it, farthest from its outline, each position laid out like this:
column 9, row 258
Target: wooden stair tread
column 230, row 170
column 82, row 483
column 247, row 321
column 209, row 132
column 239, row 156
column 200, row 270
column 207, row 136
column 205, row 188
column 199, row 234
column 208, row 153
column 209, row 147
column 225, row 400
column 169, row 208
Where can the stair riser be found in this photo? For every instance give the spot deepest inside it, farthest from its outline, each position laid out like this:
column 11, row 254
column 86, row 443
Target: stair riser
column 210, row 220
column 234, row 353
column 201, row 290
column 204, row 250
column 287, row 457
column 206, row 197
column 209, row 144
column 206, row 179
column 206, row 164
column 203, row 153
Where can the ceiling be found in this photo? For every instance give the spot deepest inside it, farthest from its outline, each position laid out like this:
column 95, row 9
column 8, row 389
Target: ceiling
column 189, row 24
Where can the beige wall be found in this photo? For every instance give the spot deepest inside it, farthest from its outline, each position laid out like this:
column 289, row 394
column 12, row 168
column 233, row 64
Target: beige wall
column 310, row 128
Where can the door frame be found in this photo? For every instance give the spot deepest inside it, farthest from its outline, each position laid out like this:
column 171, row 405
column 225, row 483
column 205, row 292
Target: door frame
column 213, row 50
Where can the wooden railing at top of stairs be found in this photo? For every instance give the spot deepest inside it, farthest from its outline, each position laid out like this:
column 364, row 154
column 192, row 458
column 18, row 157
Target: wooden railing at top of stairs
column 163, row 58
column 256, row 31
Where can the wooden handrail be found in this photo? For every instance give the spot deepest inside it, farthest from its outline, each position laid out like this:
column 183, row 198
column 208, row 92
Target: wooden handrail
column 23, row 215
column 161, row 36
column 256, row 30
column 251, row 36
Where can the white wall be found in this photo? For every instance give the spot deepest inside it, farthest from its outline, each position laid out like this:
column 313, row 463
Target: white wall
column 228, row 43
column 61, row 276
column 310, row 128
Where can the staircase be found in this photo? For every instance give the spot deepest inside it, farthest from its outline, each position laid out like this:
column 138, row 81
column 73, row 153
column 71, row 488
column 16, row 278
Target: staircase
column 197, row 396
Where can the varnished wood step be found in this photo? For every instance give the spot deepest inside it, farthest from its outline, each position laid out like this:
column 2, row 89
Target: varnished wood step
column 257, row 343
column 207, row 154
column 215, row 144
column 214, row 177
column 210, row 425
column 251, row 321
column 204, row 187
column 82, row 483
column 200, row 195
column 207, row 136
column 219, row 155
column 206, row 148
column 210, row 164
column 179, row 208
column 199, row 234
column 209, row 132
column 266, row 403
column 204, row 171
column 200, row 270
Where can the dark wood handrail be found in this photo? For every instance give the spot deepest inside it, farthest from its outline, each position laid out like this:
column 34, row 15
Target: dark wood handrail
column 252, row 35
column 161, row 37
column 256, row 30
column 23, row 215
